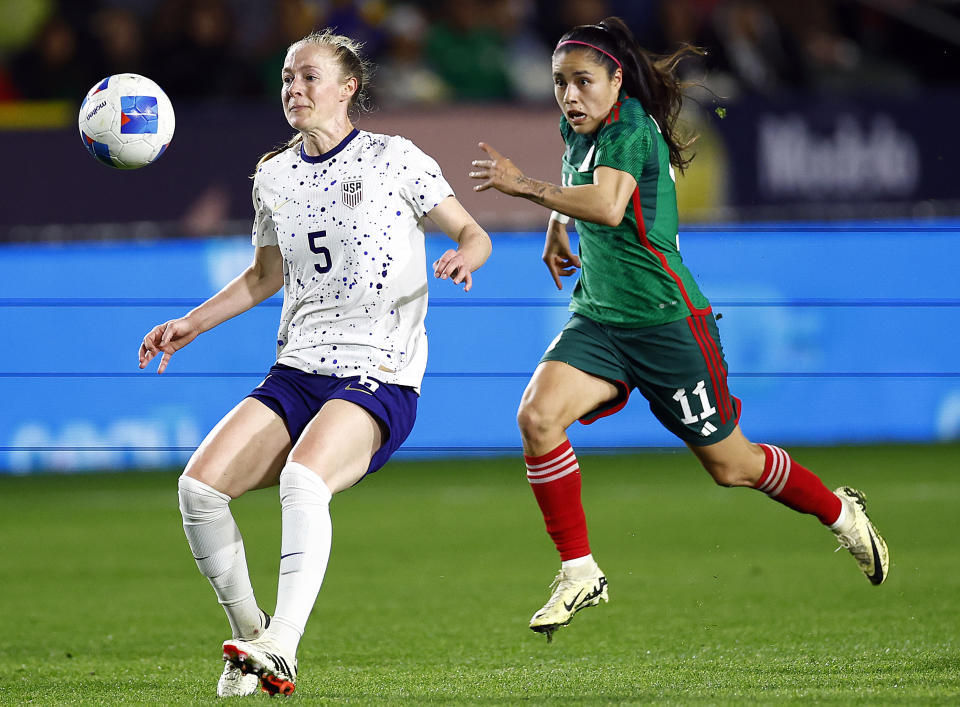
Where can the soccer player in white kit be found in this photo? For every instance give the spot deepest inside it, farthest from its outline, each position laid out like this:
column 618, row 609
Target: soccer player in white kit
column 339, row 225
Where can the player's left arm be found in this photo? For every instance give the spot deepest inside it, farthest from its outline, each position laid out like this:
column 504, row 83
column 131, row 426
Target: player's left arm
column 603, row 202
column 474, row 243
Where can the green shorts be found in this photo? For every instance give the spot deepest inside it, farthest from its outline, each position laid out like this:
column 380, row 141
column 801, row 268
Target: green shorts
column 678, row 367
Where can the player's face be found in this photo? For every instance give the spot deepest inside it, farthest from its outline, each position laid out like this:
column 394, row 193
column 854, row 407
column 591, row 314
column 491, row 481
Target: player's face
column 584, row 89
column 314, row 91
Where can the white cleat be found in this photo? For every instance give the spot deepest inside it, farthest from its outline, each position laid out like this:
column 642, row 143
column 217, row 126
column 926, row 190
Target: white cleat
column 573, row 590
column 276, row 672
column 861, row 538
column 234, row 683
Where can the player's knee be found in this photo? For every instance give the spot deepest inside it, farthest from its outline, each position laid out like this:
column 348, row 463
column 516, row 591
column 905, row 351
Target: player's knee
column 534, row 422
column 200, row 502
column 299, row 481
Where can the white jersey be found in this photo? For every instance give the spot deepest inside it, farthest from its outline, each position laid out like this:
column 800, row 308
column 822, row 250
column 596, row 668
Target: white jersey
column 349, row 226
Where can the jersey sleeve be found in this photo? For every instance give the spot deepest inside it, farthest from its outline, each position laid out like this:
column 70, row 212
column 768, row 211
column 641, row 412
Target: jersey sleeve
column 625, row 146
column 264, row 231
column 423, row 183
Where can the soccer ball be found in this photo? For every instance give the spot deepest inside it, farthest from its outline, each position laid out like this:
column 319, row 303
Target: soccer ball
column 126, row 121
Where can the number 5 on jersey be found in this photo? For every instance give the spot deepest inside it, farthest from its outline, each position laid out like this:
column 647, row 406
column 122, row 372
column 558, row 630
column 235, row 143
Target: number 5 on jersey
column 315, row 236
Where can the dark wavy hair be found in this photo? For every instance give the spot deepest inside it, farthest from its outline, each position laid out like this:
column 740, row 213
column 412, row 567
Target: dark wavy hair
column 649, row 77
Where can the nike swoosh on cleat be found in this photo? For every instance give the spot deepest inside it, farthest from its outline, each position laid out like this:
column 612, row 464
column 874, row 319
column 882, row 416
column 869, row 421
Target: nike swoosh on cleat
column 291, row 554
column 877, row 576
column 597, row 590
column 569, row 607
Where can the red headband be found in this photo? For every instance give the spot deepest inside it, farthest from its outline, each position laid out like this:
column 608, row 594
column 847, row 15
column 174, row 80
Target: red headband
column 587, row 44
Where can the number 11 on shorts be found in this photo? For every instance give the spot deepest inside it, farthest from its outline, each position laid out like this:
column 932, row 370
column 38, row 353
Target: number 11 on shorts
column 688, row 415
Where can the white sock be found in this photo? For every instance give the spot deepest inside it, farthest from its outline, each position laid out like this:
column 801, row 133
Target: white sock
column 585, row 562
column 839, row 525
column 304, row 550
column 218, row 549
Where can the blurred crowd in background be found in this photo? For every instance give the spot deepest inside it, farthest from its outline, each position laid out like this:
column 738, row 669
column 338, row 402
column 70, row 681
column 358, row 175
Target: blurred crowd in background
column 430, row 51
column 809, row 109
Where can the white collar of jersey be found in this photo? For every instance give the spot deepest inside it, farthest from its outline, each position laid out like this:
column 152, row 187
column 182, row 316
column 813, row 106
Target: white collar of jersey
column 330, row 153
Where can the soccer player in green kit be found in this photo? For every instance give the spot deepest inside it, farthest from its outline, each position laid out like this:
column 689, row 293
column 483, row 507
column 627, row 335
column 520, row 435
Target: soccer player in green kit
column 639, row 320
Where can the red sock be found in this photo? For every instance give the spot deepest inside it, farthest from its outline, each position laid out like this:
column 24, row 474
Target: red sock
column 789, row 483
column 555, row 480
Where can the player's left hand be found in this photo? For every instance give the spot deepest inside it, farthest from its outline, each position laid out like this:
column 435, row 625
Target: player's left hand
column 560, row 260
column 452, row 265
column 498, row 172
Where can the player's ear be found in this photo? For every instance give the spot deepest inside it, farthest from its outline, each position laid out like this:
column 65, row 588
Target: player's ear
column 349, row 87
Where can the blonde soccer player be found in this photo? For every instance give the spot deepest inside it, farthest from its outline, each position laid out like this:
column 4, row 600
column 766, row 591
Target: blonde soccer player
column 339, row 227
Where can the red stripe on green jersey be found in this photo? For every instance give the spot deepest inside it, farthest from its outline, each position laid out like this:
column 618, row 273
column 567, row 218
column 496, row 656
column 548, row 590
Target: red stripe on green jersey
column 715, row 365
column 642, row 235
column 632, row 274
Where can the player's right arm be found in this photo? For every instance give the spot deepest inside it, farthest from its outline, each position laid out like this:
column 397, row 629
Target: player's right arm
column 603, row 202
column 560, row 260
column 261, row 280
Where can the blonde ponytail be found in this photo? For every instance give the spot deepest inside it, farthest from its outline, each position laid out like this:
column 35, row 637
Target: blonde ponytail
column 292, row 142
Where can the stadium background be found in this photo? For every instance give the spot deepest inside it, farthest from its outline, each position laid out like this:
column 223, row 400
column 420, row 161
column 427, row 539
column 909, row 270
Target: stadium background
column 817, row 213
column 821, row 215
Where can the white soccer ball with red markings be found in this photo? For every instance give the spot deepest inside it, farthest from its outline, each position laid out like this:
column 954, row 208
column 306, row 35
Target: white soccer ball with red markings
column 126, row 121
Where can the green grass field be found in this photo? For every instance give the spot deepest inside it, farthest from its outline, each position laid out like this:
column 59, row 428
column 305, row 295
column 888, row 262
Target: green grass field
column 717, row 596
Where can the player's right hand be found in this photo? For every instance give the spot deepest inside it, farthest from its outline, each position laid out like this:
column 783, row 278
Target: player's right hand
column 498, row 172
column 560, row 260
column 166, row 339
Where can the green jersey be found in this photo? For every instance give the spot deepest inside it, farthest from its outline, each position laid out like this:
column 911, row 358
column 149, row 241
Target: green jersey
column 632, row 274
